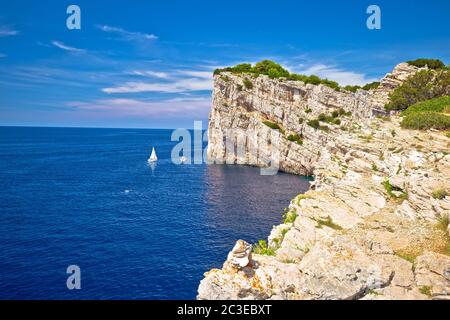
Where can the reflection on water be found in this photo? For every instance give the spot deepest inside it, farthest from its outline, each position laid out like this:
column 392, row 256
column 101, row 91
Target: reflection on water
column 240, row 198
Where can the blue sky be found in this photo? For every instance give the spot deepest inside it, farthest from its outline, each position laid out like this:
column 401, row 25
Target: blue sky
column 149, row 64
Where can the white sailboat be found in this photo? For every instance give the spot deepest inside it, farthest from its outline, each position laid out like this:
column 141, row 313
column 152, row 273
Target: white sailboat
column 153, row 157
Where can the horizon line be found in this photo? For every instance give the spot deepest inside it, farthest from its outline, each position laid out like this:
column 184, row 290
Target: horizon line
column 91, row 127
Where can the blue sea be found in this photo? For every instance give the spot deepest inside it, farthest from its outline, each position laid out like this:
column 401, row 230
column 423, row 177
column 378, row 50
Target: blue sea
column 87, row 197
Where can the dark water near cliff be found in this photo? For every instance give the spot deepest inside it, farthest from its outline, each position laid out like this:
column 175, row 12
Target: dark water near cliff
column 87, row 197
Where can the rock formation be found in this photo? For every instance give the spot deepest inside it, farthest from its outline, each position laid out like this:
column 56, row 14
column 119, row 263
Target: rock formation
column 370, row 227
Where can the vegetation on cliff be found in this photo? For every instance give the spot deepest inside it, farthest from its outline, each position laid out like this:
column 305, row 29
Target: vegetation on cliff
column 430, row 63
column 275, row 71
column 424, row 85
column 369, row 86
column 429, row 114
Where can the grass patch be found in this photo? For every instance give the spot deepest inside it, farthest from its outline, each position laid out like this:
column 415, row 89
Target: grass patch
column 439, row 194
column 301, row 197
column 426, row 290
column 262, row 248
column 327, row 222
column 371, row 291
column 407, row 256
column 443, row 223
column 390, row 189
column 289, row 216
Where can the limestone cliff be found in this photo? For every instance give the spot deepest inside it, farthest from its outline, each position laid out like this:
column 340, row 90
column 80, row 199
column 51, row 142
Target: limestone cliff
column 370, row 227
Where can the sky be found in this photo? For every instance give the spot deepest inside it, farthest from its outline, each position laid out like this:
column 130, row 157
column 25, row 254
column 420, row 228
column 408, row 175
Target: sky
column 149, row 64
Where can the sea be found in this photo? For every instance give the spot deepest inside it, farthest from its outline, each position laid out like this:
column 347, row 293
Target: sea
column 87, row 197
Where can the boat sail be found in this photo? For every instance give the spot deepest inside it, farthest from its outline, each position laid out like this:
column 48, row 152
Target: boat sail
column 153, row 157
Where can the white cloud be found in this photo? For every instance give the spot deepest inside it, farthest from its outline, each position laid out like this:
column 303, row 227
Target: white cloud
column 131, row 107
column 64, row 47
column 7, row 32
column 197, row 74
column 330, row 72
column 182, row 85
column 149, row 73
column 130, row 35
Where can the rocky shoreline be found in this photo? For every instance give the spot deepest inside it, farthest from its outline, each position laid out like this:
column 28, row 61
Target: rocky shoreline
column 370, row 227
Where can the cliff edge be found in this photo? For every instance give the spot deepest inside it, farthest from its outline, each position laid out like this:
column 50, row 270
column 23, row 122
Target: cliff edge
column 370, row 227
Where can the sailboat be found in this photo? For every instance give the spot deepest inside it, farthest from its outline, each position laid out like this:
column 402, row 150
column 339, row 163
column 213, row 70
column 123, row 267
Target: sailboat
column 153, row 157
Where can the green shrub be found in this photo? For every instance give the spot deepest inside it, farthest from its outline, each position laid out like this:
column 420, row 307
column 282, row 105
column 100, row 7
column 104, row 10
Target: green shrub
column 426, row 120
column 329, row 119
column 368, row 86
column 332, row 84
column 308, row 110
column 429, row 114
column 352, row 88
column 272, row 125
column 274, row 70
column 247, row 84
column 295, row 138
column 431, row 63
column 441, row 104
column 342, row 112
column 337, row 121
column 262, row 248
column 314, row 124
column 270, row 68
column 372, row 85
column 424, row 85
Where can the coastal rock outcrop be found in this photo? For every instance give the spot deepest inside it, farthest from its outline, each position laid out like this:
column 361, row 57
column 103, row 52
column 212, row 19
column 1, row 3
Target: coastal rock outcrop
column 370, row 227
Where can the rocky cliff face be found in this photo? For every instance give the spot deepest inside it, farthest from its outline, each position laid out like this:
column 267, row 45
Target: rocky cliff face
column 289, row 104
column 371, row 227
